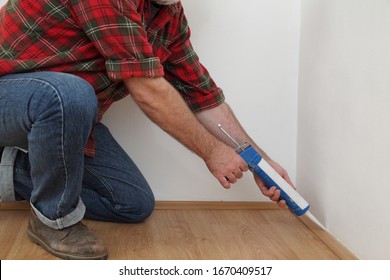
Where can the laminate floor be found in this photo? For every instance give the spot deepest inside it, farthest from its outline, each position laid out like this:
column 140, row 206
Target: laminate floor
column 186, row 231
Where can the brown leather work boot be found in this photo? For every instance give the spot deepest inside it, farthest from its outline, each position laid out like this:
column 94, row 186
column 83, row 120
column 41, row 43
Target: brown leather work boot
column 76, row 242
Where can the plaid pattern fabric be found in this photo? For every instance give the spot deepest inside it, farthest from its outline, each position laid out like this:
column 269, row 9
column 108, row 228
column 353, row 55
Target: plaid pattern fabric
column 105, row 42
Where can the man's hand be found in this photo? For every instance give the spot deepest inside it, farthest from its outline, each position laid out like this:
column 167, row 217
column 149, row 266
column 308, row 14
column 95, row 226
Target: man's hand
column 224, row 115
column 224, row 163
column 272, row 192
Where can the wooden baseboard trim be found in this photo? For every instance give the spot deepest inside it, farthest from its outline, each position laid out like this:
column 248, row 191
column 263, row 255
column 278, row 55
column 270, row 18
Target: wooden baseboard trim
column 15, row 205
column 215, row 205
column 176, row 205
column 328, row 239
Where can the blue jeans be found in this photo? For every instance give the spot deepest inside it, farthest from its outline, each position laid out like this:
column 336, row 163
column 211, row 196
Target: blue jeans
column 51, row 116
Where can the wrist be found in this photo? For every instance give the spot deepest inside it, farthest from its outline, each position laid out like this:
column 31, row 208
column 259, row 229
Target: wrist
column 208, row 146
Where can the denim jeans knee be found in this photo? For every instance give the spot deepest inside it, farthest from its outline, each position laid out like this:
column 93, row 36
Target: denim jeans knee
column 76, row 96
column 103, row 208
column 51, row 115
column 139, row 211
column 114, row 189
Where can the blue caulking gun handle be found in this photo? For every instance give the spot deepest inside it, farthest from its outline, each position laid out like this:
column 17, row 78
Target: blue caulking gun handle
column 271, row 178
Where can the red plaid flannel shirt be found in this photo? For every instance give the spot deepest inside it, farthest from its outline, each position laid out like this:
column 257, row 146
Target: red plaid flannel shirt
column 105, row 42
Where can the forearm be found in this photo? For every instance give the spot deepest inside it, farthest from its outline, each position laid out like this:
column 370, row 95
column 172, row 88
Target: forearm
column 164, row 106
column 223, row 115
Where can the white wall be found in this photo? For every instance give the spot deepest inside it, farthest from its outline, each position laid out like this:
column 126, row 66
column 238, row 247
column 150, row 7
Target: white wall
column 344, row 120
column 251, row 51
column 253, row 56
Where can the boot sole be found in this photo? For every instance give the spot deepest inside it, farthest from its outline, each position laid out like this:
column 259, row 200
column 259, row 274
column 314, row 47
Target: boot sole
column 62, row 255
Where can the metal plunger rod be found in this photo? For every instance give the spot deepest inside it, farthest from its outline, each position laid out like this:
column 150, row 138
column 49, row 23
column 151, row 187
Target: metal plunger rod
column 229, row 136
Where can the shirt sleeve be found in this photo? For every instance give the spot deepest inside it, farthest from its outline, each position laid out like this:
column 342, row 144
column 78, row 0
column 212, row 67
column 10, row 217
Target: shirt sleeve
column 115, row 27
column 185, row 72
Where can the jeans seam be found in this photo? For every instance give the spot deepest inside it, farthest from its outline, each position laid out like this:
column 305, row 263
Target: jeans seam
column 61, row 202
column 118, row 179
column 55, row 91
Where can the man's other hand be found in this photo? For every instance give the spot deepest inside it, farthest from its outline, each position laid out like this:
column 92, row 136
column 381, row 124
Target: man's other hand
column 272, row 192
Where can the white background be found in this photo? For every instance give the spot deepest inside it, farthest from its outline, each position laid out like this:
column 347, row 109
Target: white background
column 257, row 51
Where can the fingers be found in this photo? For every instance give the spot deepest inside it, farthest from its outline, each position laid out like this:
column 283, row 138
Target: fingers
column 244, row 166
column 232, row 178
column 224, row 182
column 282, row 203
column 227, row 166
column 274, row 195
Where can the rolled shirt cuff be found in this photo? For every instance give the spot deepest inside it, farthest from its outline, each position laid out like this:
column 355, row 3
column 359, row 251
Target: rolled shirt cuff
column 130, row 68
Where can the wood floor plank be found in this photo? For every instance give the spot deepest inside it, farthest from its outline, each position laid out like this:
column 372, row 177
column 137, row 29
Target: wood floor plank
column 300, row 239
column 189, row 234
column 10, row 226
